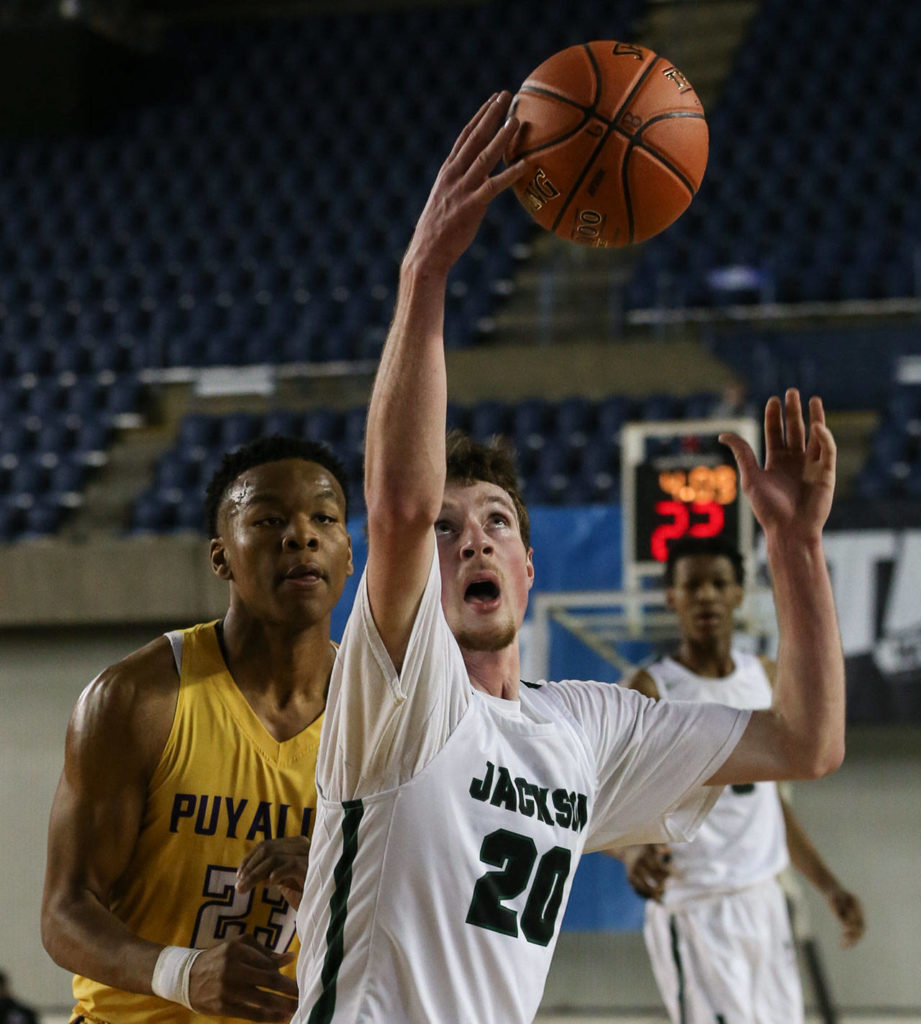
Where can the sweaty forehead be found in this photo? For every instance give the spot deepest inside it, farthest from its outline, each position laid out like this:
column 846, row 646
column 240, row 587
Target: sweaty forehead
column 287, row 480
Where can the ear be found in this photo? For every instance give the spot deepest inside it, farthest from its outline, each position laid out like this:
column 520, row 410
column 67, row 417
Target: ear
column 670, row 598
column 220, row 562
column 529, row 566
column 351, row 565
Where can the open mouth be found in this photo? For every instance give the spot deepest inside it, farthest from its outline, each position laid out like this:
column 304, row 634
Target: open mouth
column 481, row 592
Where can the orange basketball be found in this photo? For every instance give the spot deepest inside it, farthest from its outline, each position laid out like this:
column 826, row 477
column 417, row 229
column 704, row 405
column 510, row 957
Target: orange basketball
column 616, row 143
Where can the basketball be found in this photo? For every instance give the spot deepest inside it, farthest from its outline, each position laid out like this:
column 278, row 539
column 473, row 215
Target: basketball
column 616, row 143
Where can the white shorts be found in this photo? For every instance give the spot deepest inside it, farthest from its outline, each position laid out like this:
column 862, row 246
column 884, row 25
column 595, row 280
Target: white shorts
column 727, row 959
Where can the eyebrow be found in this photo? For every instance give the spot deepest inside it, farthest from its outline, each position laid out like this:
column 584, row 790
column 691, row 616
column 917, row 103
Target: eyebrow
column 272, row 496
column 490, row 502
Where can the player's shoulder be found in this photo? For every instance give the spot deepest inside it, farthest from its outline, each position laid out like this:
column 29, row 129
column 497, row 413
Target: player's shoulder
column 583, row 700
column 128, row 708
column 135, row 685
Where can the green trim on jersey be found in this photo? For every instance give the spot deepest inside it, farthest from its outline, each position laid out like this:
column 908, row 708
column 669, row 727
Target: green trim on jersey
column 325, row 1007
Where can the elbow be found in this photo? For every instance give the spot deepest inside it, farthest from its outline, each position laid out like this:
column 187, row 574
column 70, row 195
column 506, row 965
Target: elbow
column 51, row 935
column 56, row 925
column 822, row 762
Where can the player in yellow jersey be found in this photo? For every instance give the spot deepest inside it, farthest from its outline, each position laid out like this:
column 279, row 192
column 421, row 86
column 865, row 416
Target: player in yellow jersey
column 186, row 801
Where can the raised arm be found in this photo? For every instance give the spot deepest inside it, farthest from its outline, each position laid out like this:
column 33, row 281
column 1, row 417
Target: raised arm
column 802, row 734
column 405, row 442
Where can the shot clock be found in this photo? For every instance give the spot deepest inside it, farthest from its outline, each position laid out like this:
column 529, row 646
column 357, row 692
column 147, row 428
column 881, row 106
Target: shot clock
column 678, row 480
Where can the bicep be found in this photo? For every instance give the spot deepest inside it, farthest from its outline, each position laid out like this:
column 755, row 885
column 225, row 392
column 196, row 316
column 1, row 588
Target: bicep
column 110, row 751
column 760, row 755
column 399, row 564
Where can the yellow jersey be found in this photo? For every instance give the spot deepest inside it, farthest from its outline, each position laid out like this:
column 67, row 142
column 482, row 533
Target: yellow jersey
column 222, row 785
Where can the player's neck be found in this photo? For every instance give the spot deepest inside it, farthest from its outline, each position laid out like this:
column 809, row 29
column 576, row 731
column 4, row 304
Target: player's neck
column 266, row 657
column 497, row 673
column 712, row 659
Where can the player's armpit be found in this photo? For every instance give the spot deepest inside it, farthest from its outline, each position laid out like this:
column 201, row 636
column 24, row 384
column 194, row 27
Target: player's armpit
column 643, row 683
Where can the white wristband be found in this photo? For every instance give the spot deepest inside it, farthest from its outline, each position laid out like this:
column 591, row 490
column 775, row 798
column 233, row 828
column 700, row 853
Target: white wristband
column 171, row 975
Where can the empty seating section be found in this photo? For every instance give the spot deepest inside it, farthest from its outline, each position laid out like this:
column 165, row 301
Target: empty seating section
column 811, row 181
column 257, row 211
column 53, row 434
column 568, row 451
column 893, row 466
column 852, row 368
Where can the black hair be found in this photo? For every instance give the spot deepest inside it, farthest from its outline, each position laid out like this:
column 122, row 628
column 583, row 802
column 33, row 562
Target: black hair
column 715, row 547
column 470, row 461
column 257, row 453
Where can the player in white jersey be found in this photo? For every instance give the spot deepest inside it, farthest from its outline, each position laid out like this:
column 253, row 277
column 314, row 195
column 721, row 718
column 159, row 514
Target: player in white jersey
column 453, row 800
column 717, row 927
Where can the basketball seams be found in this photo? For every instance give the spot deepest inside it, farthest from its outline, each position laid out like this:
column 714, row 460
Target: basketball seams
column 625, row 185
column 615, row 120
column 683, row 178
column 601, row 142
column 637, row 143
column 652, row 120
column 596, row 70
column 588, row 112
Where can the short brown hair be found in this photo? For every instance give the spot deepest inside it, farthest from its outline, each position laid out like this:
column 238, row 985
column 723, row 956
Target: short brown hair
column 493, row 462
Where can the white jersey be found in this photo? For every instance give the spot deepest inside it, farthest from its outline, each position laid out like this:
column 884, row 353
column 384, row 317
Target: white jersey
column 743, row 841
column 450, row 823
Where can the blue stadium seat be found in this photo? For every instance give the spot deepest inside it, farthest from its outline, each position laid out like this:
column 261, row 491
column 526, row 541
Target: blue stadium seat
column 197, row 432
column 489, row 418
column 41, row 520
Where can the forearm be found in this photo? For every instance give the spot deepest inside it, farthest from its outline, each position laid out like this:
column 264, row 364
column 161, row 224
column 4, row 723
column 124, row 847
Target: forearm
column 804, row 856
column 405, row 447
column 809, row 692
column 84, row 937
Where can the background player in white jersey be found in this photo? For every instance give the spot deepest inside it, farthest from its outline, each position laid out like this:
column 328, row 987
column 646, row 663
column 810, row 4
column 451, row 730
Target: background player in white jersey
column 454, row 801
column 187, row 793
column 716, row 925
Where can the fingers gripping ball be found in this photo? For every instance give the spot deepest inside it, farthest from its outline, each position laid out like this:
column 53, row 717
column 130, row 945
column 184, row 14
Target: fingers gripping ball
column 616, row 143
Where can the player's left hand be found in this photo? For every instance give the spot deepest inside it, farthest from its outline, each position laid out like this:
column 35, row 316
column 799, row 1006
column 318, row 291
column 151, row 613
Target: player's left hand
column 849, row 911
column 278, row 862
column 791, row 496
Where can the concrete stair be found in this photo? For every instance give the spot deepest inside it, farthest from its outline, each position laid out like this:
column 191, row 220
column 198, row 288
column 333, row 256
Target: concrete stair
column 107, row 499
column 700, row 38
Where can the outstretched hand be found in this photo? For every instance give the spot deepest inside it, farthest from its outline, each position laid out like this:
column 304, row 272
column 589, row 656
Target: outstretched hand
column 792, row 494
column 465, row 186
